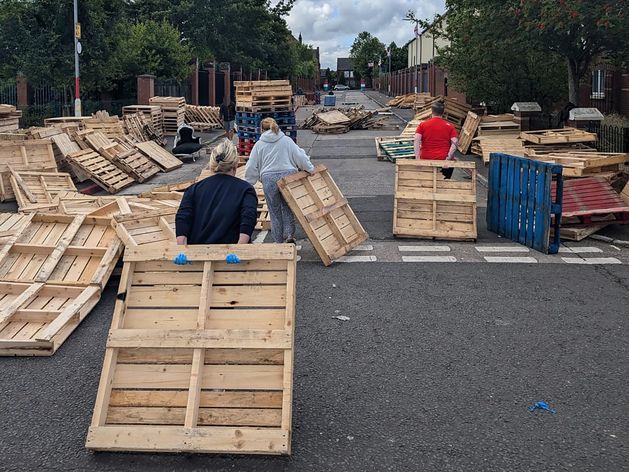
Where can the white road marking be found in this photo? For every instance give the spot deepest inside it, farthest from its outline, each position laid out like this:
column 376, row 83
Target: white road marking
column 511, row 260
column 579, row 250
column 428, row 259
column 260, row 237
column 357, row 259
column 424, row 248
column 363, row 247
column 502, row 248
column 298, row 258
column 591, row 260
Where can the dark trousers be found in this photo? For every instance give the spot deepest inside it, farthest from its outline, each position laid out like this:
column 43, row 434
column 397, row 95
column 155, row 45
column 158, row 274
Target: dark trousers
column 447, row 173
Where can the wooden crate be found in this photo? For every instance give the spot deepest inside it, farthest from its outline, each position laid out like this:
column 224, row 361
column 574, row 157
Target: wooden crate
column 429, row 206
column 101, row 171
column 31, row 154
column 164, row 159
column 468, row 131
column 556, row 136
column 52, row 272
column 199, row 357
column 37, row 191
column 148, row 227
column 323, row 212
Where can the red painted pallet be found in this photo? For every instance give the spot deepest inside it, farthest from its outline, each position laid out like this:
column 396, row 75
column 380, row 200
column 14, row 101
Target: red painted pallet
column 591, row 196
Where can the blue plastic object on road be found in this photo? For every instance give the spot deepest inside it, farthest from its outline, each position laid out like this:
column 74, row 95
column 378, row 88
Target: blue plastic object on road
column 181, row 259
column 542, row 406
column 329, row 101
column 232, row 259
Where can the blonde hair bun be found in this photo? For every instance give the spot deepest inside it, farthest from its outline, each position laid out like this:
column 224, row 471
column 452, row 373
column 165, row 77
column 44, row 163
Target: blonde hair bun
column 224, row 158
column 269, row 124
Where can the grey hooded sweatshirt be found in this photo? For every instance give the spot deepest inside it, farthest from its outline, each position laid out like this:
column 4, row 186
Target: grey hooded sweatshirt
column 275, row 153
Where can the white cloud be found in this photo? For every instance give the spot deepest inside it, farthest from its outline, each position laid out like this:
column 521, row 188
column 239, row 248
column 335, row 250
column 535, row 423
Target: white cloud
column 333, row 26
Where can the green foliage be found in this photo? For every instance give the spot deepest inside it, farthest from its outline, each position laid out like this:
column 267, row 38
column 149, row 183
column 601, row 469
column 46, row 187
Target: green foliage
column 123, row 38
column 365, row 49
column 304, row 64
column 399, row 56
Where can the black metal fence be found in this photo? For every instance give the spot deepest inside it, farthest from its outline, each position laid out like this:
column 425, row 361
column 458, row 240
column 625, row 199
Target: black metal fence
column 8, row 92
column 174, row 88
column 610, row 138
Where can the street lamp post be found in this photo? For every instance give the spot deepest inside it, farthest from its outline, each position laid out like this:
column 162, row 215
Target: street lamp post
column 389, row 54
column 77, row 45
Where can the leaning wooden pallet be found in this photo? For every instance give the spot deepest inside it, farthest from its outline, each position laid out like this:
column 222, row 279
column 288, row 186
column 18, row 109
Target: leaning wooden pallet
column 468, row 131
column 323, row 212
column 200, row 357
column 131, row 161
column 429, row 206
column 101, row 171
column 31, row 154
column 164, row 159
column 37, row 191
column 52, row 273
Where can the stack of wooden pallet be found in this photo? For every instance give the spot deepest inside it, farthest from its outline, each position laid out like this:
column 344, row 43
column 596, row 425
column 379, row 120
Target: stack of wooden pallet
column 152, row 115
column 403, row 101
column 173, row 113
column 9, row 118
column 482, row 134
column 498, row 125
column 111, row 126
column 23, row 155
column 341, row 120
column 140, row 130
column 421, row 99
column 203, row 118
column 263, row 96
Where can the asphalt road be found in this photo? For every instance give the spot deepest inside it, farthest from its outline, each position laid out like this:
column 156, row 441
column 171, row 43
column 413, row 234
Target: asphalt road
column 434, row 371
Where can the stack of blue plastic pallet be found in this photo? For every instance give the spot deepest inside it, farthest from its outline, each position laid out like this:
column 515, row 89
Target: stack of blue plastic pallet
column 249, row 131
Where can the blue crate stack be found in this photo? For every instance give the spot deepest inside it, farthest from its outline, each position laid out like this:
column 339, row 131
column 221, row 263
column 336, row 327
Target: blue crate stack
column 249, row 132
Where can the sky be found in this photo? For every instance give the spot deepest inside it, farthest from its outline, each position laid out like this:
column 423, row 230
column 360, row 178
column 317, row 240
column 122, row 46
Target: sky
column 333, row 25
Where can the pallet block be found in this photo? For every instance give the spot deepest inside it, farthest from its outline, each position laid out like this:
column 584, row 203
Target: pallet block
column 323, row 212
column 468, row 131
column 429, row 206
column 31, row 154
column 164, row 159
column 101, row 171
column 200, row 357
column 52, row 272
column 37, row 191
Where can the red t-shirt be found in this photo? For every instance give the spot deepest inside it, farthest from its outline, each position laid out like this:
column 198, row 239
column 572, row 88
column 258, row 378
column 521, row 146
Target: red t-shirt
column 436, row 138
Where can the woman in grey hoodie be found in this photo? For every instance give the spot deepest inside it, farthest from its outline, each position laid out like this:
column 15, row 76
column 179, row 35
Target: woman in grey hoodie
column 275, row 156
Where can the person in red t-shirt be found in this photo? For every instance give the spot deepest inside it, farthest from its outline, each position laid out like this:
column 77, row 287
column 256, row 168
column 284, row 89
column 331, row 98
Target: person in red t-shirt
column 436, row 139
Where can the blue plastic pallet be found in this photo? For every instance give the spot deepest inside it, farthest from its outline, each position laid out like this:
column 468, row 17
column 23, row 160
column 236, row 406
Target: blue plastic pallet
column 256, row 129
column 256, row 136
column 520, row 204
column 261, row 115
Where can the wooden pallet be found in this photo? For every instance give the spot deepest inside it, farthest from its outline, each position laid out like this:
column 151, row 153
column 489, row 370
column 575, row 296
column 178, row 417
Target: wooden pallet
column 165, row 160
column 73, row 203
column 31, row 154
column 199, row 357
column 579, row 164
column 490, row 144
column 152, row 115
column 101, row 171
column 52, row 273
column 429, row 206
column 398, row 150
column 323, row 212
column 10, row 225
column 173, row 113
column 37, row 191
column 131, row 161
column 145, row 228
column 468, row 131
column 556, row 136
column 110, row 126
column 380, row 155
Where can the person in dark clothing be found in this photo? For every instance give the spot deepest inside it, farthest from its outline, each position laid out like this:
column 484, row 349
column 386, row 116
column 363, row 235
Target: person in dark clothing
column 221, row 209
column 228, row 115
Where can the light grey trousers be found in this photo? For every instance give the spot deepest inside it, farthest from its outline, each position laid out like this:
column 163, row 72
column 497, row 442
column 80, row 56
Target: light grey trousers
column 282, row 218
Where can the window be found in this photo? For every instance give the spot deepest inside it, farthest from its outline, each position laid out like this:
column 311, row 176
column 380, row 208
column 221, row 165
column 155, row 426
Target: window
column 598, row 84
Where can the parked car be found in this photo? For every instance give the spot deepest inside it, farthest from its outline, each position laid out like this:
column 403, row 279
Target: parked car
column 341, row 87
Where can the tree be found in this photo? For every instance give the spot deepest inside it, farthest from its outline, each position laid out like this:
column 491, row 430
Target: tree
column 490, row 61
column 303, row 60
column 578, row 31
column 366, row 49
column 399, row 56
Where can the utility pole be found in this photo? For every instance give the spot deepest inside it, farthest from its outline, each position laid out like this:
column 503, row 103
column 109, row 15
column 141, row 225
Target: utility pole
column 389, row 54
column 77, row 48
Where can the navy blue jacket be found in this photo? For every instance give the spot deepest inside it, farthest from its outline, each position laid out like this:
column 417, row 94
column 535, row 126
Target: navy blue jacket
column 216, row 210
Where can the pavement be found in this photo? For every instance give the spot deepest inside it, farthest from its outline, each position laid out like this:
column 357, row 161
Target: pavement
column 446, row 346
